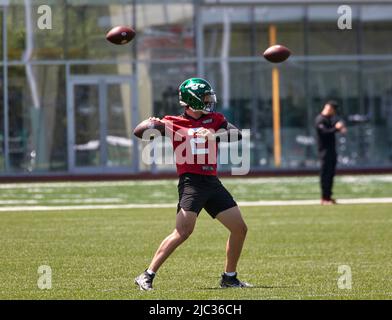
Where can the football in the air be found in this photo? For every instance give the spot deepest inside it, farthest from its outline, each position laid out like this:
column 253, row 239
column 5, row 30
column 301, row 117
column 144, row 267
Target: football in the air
column 277, row 53
column 149, row 124
column 120, row 35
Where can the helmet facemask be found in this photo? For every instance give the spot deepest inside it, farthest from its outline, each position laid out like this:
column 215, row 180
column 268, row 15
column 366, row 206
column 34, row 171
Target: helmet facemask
column 209, row 101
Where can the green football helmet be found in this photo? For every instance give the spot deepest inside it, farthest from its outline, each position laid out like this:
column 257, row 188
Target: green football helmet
column 198, row 95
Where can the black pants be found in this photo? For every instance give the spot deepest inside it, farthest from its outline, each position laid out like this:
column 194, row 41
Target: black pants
column 327, row 173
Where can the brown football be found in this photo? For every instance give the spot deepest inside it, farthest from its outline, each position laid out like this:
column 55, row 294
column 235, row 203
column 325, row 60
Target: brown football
column 120, row 35
column 277, row 53
column 148, row 124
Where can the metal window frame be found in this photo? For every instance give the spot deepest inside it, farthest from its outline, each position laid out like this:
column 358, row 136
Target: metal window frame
column 102, row 82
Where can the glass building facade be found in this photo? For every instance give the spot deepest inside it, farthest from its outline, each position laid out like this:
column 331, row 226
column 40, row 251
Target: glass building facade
column 69, row 99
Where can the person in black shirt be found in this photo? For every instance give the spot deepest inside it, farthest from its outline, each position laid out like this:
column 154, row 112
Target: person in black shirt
column 327, row 125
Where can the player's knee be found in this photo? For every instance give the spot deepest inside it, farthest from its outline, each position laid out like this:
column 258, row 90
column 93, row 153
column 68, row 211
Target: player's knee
column 242, row 230
column 184, row 233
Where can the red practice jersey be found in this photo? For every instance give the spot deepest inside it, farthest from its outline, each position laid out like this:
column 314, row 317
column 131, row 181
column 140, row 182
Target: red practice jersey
column 194, row 154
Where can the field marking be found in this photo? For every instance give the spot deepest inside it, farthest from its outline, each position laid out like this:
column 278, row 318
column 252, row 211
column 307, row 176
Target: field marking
column 62, row 201
column 311, row 202
column 263, row 203
column 164, row 182
column 86, row 184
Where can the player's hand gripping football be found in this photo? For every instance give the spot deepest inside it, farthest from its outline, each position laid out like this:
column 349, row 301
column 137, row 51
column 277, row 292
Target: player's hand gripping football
column 150, row 123
column 205, row 133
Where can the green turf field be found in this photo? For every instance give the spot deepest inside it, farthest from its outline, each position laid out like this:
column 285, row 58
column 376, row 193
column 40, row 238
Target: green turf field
column 165, row 191
column 292, row 252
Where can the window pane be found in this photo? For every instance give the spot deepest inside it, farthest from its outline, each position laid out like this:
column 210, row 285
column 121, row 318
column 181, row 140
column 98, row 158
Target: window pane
column 377, row 126
column 165, row 30
column 377, row 29
column 87, row 131
column 87, row 27
column 248, row 29
column 325, row 38
column 16, row 34
column 119, row 124
column 37, row 132
column 235, row 22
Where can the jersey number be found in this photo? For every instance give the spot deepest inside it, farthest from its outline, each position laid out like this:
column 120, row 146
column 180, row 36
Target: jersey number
column 195, row 141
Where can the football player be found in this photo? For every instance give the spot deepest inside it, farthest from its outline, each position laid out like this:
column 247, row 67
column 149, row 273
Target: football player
column 194, row 135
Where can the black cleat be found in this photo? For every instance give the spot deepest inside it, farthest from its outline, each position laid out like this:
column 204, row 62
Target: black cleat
column 144, row 281
column 233, row 282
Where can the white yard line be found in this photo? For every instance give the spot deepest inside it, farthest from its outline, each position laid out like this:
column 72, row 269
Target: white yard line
column 86, row 184
column 245, row 180
column 173, row 205
column 87, row 207
column 311, row 202
column 63, row 201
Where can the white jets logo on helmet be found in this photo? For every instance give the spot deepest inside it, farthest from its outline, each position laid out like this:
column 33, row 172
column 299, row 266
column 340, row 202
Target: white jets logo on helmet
column 195, row 86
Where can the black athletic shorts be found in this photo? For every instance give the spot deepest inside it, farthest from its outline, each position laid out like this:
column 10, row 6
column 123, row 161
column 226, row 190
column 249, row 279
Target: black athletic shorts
column 198, row 191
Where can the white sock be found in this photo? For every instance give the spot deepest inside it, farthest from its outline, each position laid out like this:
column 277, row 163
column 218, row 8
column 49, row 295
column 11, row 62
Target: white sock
column 230, row 274
column 151, row 273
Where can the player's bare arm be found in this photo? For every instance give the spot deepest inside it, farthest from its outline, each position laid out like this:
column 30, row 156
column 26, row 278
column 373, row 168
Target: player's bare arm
column 228, row 133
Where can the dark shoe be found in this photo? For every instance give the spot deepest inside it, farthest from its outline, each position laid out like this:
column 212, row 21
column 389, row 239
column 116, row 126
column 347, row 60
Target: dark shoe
column 144, row 281
column 233, row 282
